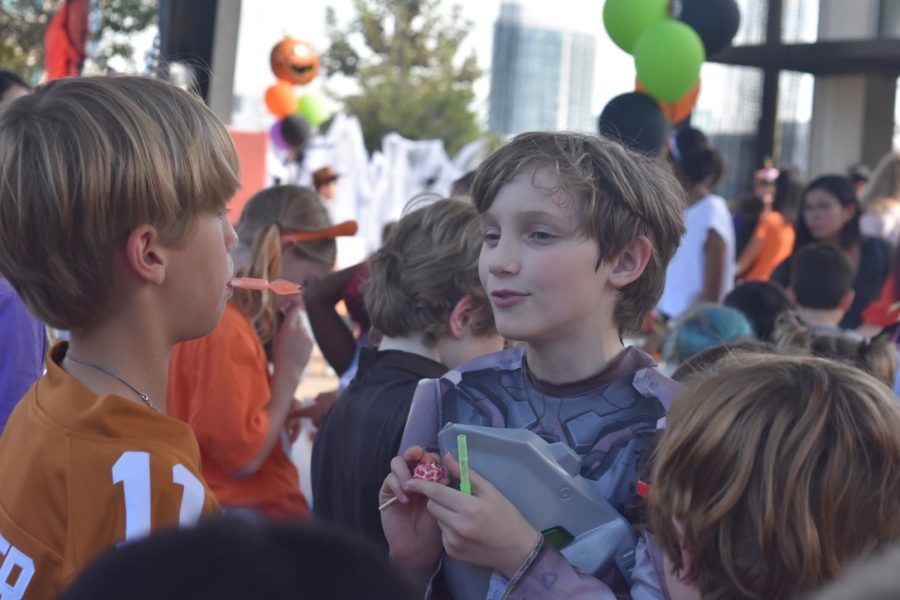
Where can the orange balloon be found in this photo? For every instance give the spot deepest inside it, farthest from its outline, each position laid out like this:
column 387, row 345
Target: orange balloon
column 280, row 99
column 678, row 111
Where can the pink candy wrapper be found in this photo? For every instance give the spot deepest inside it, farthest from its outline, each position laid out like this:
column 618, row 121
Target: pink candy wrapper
column 428, row 471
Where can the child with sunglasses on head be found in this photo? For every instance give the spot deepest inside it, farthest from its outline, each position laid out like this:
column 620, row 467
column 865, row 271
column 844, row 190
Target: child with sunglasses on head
column 222, row 384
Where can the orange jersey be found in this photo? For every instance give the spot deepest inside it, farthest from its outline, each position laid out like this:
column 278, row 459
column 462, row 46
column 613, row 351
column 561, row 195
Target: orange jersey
column 81, row 473
column 219, row 385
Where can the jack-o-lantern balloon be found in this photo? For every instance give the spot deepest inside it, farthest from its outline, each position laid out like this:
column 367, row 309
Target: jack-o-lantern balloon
column 294, row 61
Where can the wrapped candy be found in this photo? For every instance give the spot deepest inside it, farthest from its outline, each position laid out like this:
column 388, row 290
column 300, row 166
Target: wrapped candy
column 429, row 471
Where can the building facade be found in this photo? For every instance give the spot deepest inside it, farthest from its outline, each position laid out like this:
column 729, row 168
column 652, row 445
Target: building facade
column 541, row 78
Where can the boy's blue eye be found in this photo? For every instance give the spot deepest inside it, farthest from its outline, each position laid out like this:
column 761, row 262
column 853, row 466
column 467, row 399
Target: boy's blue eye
column 491, row 237
column 542, row 236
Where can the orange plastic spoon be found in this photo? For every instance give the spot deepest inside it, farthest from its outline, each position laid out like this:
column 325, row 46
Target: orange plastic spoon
column 282, row 287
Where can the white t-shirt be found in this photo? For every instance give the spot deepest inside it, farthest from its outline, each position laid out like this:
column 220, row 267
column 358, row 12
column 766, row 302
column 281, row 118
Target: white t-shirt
column 684, row 277
column 884, row 223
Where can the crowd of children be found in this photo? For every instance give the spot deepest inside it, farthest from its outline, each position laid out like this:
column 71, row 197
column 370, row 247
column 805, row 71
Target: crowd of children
column 768, row 469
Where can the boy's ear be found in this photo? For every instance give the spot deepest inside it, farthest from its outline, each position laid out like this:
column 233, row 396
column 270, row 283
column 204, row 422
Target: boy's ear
column 145, row 255
column 460, row 316
column 631, row 262
column 685, row 581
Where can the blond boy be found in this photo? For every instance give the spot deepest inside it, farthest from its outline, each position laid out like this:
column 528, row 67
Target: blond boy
column 112, row 225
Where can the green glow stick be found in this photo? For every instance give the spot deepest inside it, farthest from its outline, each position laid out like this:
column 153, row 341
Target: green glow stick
column 464, row 485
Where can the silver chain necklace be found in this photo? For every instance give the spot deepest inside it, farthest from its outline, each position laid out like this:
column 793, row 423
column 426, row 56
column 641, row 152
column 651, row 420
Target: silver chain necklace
column 144, row 397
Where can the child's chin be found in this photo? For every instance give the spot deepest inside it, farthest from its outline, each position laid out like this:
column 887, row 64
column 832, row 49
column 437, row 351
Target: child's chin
column 205, row 327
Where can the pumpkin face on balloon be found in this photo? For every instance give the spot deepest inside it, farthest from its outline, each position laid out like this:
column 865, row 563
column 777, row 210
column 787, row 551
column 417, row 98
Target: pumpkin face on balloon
column 294, row 61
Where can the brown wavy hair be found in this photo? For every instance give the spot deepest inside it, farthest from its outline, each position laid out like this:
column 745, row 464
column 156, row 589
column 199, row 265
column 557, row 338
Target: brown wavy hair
column 423, row 270
column 781, row 470
column 619, row 195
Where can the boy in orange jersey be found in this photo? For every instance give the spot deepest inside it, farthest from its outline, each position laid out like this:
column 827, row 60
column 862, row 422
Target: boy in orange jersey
column 112, row 225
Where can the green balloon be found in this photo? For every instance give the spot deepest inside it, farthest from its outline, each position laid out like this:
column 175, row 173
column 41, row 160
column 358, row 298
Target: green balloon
column 626, row 20
column 312, row 108
column 668, row 56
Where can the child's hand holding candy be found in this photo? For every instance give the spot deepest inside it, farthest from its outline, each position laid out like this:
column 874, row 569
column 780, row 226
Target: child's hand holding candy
column 411, row 531
column 427, row 469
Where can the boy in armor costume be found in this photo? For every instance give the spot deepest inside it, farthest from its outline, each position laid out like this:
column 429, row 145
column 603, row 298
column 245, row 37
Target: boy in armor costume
column 113, row 226
column 578, row 232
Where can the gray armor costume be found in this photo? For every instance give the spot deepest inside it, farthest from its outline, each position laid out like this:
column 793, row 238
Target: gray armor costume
column 612, row 430
column 611, row 420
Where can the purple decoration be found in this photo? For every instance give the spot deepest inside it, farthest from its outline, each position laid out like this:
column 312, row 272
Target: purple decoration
column 277, row 138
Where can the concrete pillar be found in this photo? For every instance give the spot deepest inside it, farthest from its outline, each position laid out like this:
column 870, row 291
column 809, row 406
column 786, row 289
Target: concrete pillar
column 853, row 115
column 224, row 54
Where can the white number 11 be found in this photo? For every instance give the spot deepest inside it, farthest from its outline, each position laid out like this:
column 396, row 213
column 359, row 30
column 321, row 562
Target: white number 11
column 132, row 470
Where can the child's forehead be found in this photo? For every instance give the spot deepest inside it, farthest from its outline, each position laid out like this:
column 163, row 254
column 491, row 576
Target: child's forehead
column 524, row 205
column 540, row 176
column 538, row 188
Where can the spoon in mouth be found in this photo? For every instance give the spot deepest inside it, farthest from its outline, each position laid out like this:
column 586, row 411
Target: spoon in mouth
column 281, row 287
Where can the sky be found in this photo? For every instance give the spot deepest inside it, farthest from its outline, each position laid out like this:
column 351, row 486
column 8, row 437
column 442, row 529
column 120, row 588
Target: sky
column 263, row 24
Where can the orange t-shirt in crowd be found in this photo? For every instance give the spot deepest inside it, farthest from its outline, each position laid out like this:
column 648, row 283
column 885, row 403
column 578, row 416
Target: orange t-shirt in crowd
column 777, row 236
column 219, row 385
column 81, row 473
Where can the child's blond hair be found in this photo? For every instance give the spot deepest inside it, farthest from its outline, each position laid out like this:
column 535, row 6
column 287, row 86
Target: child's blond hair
column 83, row 161
column 619, row 195
column 270, row 213
column 780, row 470
column 424, row 269
column 876, row 356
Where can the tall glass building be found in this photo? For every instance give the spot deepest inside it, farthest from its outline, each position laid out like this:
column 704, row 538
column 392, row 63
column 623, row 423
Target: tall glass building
column 541, row 78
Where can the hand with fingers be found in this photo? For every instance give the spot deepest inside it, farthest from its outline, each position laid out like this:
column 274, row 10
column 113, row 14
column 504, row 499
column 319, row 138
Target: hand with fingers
column 412, row 533
column 484, row 528
column 292, row 423
column 292, row 345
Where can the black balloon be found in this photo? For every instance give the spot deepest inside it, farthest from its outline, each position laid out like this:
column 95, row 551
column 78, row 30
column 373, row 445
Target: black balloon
column 295, row 130
column 715, row 21
column 635, row 120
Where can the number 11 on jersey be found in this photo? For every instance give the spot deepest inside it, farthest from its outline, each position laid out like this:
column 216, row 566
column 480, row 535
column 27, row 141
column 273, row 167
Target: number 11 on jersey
column 132, row 470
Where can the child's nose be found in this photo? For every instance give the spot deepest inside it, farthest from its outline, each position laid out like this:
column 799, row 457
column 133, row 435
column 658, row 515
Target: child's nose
column 503, row 259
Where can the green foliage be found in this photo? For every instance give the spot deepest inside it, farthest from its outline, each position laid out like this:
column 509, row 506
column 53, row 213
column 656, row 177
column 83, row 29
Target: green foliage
column 23, row 23
column 403, row 55
column 120, row 19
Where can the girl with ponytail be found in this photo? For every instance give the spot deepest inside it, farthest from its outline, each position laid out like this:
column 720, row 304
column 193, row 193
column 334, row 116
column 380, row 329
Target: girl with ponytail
column 235, row 387
column 702, row 269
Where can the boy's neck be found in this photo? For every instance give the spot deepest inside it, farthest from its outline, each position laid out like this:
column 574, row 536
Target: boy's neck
column 821, row 317
column 140, row 360
column 698, row 192
column 567, row 361
column 411, row 344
